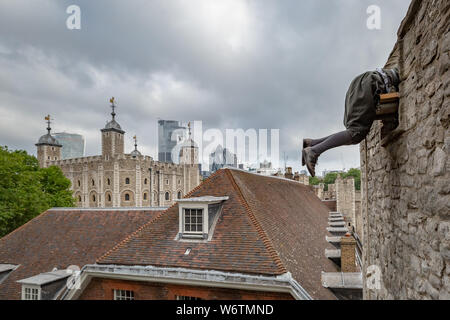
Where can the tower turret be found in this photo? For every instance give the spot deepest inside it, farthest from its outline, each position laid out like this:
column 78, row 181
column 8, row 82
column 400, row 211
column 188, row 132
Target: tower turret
column 48, row 148
column 112, row 136
column 135, row 153
column 189, row 150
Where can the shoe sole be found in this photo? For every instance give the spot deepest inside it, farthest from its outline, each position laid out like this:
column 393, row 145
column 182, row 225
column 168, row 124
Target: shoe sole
column 303, row 156
column 307, row 165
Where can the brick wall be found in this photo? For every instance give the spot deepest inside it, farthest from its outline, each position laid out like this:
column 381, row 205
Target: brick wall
column 405, row 184
column 103, row 289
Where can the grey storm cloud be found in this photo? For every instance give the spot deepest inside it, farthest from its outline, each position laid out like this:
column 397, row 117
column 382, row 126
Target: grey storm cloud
column 230, row 63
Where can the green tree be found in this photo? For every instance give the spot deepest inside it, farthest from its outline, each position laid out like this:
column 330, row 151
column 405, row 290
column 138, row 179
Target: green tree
column 329, row 178
column 314, row 181
column 27, row 190
column 356, row 174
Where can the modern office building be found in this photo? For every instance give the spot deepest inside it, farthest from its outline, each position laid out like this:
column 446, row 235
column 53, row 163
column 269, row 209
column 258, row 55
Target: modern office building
column 220, row 158
column 169, row 133
column 72, row 145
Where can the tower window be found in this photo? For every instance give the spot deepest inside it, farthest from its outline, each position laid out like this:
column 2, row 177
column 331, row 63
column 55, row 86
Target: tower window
column 167, row 181
column 127, row 180
column 93, row 198
column 109, row 197
column 79, row 183
column 93, row 182
column 167, row 196
column 79, row 198
column 145, row 196
column 109, row 182
column 145, row 181
column 179, row 194
column 127, row 197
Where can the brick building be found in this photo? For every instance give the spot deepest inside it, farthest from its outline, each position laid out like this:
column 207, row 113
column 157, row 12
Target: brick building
column 237, row 235
column 259, row 238
column 39, row 252
column 118, row 179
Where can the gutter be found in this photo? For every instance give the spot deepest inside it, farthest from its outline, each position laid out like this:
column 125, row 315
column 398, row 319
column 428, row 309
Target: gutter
column 207, row 278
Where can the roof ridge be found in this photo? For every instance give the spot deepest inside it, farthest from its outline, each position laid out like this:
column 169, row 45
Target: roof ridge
column 266, row 240
column 145, row 225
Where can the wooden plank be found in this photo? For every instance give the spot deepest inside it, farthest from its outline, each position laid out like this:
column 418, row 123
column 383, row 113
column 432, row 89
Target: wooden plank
column 389, row 97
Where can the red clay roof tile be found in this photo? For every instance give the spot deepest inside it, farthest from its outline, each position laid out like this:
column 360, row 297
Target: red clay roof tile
column 59, row 238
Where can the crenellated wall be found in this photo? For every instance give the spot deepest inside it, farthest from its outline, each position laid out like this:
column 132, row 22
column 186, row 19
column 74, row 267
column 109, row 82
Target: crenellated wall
column 405, row 175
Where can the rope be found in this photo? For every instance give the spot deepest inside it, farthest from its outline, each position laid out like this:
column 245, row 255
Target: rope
column 367, row 205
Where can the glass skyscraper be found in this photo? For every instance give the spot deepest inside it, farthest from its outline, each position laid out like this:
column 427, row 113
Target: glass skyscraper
column 169, row 133
column 72, row 145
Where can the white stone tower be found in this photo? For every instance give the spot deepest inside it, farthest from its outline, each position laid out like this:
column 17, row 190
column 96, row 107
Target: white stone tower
column 112, row 137
column 48, row 148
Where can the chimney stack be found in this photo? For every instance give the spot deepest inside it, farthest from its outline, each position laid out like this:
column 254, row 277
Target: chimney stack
column 288, row 173
column 348, row 251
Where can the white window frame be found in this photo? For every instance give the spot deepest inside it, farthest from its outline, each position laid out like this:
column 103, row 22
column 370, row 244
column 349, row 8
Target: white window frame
column 202, row 211
column 33, row 291
column 121, row 294
column 198, row 206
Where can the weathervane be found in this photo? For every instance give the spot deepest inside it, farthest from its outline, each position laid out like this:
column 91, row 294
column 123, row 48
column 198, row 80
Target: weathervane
column 189, row 127
column 135, row 142
column 48, row 123
column 112, row 106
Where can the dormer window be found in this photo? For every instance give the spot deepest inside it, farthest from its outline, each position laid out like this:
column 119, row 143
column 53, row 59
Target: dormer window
column 5, row 270
column 198, row 216
column 44, row 286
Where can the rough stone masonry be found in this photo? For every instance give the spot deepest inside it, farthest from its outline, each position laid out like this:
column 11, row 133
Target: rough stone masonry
column 405, row 175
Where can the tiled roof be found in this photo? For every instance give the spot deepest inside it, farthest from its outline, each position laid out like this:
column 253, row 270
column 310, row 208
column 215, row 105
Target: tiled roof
column 62, row 237
column 267, row 226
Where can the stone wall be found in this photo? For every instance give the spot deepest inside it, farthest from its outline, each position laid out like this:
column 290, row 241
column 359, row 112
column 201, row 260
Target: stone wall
column 406, row 182
column 345, row 198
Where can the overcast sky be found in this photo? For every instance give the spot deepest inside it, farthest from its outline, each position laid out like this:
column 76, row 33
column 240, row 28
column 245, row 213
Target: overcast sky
column 229, row 63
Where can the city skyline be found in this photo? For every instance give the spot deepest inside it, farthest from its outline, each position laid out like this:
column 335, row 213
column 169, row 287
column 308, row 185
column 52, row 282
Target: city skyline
column 239, row 64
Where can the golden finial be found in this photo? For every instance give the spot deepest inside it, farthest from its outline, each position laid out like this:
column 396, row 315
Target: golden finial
column 47, row 118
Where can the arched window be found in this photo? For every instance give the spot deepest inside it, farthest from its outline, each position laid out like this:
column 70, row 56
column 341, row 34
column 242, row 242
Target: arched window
column 79, row 198
column 127, row 197
column 93, row 182
column 79, row 183
column 167, row 196
column 145, row 181
column 145, row 195
column 93, row 197
column 179, row 194
column 109, row 197
column 127, row 180
column 109, row 182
